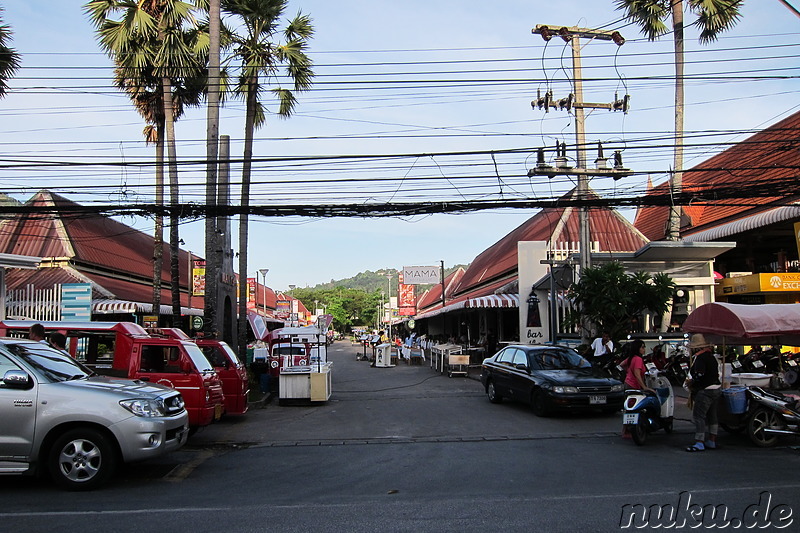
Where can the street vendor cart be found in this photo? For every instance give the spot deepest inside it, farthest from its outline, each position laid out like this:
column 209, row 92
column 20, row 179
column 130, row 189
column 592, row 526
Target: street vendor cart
column 763, row 413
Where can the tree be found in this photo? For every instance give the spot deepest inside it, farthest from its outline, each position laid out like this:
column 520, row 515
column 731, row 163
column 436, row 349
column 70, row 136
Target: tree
column 713, row 18
column 261, row 58
column 9, row 58
column 164, row 37
column 146, row 95
column 613, row 300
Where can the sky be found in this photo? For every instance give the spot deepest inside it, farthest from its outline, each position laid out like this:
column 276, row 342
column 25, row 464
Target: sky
column 412, row 101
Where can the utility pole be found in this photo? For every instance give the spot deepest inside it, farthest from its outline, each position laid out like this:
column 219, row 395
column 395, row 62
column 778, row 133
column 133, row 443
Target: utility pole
column 575, row 101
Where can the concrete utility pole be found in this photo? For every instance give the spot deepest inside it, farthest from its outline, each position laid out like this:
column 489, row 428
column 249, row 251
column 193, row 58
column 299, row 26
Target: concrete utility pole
column 575, row 102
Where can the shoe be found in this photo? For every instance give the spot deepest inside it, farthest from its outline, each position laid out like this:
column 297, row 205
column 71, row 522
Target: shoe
column 711, row 445
column 696, row 447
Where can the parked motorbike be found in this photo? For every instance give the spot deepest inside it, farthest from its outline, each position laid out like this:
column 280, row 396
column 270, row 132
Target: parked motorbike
column 677, row 367
column 771, row 415
column 645, row 412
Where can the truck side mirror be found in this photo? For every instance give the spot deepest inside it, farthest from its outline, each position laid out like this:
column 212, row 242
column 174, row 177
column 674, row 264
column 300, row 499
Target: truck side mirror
column 17, row 379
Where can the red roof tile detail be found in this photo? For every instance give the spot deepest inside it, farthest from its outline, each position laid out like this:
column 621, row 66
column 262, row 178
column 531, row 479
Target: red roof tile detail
column 557, row 226
column 775, row 148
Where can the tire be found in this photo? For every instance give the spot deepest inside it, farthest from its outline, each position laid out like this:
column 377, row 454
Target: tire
column 492, row 393
column 539, row 404
column 668, row 425
column 790, row 376
column 758, row 421
column 82, row 459
column 639, row 430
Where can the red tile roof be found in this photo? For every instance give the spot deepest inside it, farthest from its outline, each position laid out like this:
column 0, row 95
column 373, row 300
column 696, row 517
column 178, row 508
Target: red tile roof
column 432, row 298
column 769, row 157
column 93, row 242
column 557, row 226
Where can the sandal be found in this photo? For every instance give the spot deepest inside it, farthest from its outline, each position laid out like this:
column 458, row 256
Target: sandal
column 695, row 448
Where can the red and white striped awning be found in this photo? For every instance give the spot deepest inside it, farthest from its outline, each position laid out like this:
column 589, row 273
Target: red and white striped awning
column 494, row 300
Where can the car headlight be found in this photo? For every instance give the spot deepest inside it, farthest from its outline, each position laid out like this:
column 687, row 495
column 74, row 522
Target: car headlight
column 144, row 407
column 617, row 388
column 564, row 390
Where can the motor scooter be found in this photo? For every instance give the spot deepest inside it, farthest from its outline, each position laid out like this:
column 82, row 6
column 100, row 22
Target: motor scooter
column 645, row 411
column 771, row 415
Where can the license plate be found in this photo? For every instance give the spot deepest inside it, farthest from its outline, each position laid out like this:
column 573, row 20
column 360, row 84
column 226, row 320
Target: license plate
column 737, row 364
column 792, row 362
column 650, row 366
column 630, row 418
column 685, row 366
column 217, row 412
column 595, row 400
column 758, row 364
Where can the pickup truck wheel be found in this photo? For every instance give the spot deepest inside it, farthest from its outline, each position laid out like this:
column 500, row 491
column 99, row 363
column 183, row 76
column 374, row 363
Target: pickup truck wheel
column 82, row 459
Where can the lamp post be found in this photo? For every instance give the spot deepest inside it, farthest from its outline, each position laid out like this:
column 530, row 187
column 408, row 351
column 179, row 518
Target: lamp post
column 389, row 285
column 264, row 288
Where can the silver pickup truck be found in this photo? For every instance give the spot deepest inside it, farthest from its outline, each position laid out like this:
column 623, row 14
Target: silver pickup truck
column 55, row 416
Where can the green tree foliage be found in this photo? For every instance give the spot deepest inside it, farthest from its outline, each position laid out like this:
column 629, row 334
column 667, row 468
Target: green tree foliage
column 613, row 300
column 349, row 307
column 9, row 58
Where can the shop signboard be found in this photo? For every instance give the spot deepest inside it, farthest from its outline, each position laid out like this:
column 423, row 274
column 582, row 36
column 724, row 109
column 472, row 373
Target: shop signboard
column 421, row 275
column 198, row 277
column 534, row 323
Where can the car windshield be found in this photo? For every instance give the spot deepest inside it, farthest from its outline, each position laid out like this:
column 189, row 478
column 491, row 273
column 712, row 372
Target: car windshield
column 48, row 362
column 231, row 354
column 196, row 355
column 559, row 359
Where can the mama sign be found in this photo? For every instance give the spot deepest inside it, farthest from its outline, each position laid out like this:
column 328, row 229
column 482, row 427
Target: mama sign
column 421, row 275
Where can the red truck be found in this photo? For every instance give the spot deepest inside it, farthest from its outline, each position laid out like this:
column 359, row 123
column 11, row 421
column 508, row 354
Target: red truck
column 231, row 371
column 126, row 350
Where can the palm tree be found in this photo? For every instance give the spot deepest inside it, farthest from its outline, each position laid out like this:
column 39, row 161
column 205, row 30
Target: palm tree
column 9, row 58
column 163, row 38
column 145, row 93
column 713, row 18
column 262, row 58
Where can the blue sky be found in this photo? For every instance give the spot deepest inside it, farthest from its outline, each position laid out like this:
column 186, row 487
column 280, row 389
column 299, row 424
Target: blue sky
column 62, row 108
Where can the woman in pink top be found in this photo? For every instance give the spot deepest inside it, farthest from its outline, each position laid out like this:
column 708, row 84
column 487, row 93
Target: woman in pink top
column 634, row 366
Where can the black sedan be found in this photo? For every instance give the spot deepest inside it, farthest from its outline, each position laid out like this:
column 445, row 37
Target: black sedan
column 549, row 378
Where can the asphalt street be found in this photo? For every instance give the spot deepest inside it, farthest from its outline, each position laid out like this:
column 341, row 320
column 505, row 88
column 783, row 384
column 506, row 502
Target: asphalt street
column 409, row 449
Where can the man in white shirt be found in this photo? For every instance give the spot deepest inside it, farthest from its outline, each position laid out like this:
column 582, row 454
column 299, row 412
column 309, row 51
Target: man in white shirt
column 602, row 345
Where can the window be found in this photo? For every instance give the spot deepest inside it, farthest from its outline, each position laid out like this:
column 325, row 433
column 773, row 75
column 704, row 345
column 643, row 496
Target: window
column 160, row 359
column 520, row 358
column 506, row 356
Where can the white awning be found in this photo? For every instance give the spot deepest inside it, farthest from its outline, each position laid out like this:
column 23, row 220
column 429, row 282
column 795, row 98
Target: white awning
column 759, row 220
column 110, row 307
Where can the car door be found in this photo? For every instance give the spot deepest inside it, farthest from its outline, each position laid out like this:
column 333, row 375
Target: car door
column 18, row 413
column 519, row 375
column 501, row 371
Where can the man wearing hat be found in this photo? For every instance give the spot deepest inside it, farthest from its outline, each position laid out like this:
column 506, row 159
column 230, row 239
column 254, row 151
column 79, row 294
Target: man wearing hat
column 706, row 390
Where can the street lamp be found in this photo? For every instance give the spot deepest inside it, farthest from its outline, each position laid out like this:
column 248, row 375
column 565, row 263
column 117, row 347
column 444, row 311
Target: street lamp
column 264, row 288
column 389, row 285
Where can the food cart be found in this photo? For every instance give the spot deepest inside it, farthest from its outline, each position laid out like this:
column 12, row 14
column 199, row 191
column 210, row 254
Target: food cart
column 740, row 324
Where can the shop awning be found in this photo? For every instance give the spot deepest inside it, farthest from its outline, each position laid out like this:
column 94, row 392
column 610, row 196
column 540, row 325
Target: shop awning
column 493, row 300
column 110, row 307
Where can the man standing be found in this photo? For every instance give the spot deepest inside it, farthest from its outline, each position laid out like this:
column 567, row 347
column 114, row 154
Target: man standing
column 706, row 391
column 36, row 333
column 602, row 345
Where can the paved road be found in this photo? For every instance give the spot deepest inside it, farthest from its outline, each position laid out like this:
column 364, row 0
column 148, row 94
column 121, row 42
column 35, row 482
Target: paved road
column 406, row 449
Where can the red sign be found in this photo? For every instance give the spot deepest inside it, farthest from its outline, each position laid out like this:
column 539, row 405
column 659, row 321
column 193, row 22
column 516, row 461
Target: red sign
column 251, row 293
column 407, row 297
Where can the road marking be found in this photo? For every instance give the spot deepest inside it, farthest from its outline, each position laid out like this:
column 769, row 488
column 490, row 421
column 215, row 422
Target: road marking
column 181, row 472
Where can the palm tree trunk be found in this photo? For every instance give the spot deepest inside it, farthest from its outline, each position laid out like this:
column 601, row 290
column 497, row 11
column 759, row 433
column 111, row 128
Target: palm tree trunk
column 249, row 128
column 158, row 236
column 213, row 256
column 676, row 186
column 172, row 160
